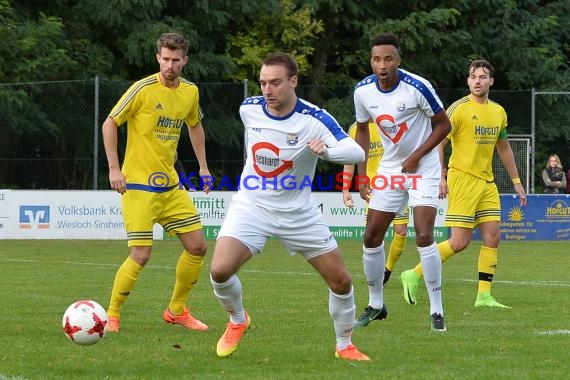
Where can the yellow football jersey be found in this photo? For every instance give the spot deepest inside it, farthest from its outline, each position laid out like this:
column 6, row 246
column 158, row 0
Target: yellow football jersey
column 475, row 129
column 376, row 150
column 155, row 115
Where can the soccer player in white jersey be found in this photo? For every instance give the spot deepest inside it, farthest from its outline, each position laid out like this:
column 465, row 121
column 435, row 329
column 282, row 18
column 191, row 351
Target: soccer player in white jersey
column 285, row 137
column 404, row 106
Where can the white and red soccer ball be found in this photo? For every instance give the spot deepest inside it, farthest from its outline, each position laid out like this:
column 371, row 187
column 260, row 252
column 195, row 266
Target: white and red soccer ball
column 85, row 322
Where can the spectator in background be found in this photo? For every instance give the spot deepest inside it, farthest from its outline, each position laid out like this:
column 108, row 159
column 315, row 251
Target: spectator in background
column 553, row 176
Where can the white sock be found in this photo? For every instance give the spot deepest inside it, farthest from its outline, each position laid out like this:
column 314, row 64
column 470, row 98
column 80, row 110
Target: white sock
column 343, row 311
column 229, row 295
column 374, row 261
column 431, row 264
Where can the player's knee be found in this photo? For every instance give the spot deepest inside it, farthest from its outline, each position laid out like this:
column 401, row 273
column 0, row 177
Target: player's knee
column 201, row 248
column 459, row 244
column 424, row 238
column 219, row 274
column 140, row 254
column 197, row 248
column 341, row 285
column 222, row 268
column 217, row 277
column 492, row 239
column 370, row 240
column 400, row 229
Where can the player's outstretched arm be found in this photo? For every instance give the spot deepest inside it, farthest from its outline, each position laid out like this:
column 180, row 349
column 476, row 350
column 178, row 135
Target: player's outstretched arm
column 345, row 151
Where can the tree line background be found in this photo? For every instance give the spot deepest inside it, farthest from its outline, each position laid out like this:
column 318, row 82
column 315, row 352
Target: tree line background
column 50, row 41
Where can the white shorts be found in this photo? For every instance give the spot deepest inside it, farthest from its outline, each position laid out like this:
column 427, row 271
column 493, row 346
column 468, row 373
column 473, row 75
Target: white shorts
column 396, row 196
column 305, row 231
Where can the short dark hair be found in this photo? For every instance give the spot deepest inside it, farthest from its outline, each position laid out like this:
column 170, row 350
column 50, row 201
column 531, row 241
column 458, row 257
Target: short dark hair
column 386, row 39
column 172, row 41
column 484, row 64
column 285, row 60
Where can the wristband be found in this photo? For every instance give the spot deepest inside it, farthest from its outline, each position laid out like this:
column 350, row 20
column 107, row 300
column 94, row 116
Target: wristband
column 516, row 181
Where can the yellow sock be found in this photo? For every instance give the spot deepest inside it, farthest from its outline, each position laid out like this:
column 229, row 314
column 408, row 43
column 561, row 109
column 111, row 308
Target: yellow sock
column 187, row 273
column 445, row 252
column 125, row 280
column 486, row 265
column 396, row 248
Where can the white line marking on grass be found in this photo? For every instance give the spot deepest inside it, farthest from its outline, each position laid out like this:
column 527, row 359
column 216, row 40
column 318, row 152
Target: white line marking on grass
column 8, row 377
column 355, row 275
column 151, row 266
column 154, row 267
column 83, row 263
column 280, row 272
column 20, row 260
column 534, row 283
column 554, row 332
column 538, row 282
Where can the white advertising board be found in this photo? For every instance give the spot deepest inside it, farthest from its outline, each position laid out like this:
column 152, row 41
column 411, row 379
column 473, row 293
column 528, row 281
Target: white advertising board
column 37, row 214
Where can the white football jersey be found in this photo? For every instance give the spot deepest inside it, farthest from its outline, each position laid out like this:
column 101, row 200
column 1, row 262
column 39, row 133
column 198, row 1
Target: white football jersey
column 403, row 116
column 279, row 168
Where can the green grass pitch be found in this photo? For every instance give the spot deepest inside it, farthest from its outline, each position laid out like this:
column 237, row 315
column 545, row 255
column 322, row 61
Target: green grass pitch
column 291, row 334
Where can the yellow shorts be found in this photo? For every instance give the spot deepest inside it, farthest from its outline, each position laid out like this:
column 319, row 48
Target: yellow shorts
column 402, row 219
column 471, row 200
column 173, row 210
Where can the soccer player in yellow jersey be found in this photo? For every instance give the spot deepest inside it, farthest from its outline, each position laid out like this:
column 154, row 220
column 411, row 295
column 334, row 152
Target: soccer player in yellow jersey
column 478, row 126
column 155, row 109
column 400, row 224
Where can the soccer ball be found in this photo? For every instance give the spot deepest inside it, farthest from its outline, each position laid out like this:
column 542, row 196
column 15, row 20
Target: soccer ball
column 85, row 322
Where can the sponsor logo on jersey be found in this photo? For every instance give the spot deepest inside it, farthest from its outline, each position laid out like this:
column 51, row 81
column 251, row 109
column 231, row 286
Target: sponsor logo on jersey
column 486, row 131
column 390, row 129
column 166, row 122
column 266, row 161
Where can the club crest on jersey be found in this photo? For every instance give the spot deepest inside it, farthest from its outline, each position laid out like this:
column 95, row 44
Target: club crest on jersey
column 401, row 106
column 266, row 161
column 292, row 139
